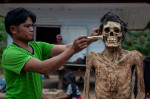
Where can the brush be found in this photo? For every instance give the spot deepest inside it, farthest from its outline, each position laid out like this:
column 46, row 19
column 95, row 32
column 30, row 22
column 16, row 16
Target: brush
column 96, row 37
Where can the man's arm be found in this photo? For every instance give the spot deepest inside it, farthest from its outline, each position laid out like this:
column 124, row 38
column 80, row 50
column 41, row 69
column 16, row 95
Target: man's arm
column 49, row 65
column 57, row 49
column 140, row 77
column 87, row 76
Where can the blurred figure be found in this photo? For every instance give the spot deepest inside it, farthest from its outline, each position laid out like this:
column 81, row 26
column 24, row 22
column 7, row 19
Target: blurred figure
column 72, row 90
column 78, row 61
column 59, row 39
column 146, row 64
column 146, row 69
column 2, row 85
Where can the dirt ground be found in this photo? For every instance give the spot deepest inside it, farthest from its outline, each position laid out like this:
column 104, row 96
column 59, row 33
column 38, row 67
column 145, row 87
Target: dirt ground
column 52, row 83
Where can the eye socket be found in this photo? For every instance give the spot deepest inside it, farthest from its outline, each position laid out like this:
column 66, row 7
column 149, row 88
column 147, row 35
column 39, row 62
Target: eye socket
column 116, row 30
column 107, row 29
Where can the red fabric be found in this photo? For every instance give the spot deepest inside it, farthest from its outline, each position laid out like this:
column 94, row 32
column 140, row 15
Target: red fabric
column 77, row 98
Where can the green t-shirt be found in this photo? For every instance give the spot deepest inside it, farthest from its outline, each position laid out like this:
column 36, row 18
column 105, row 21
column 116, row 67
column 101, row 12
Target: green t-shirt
column 21, row 84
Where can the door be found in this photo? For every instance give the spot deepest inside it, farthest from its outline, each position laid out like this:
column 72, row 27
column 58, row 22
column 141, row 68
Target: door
column 69, row 33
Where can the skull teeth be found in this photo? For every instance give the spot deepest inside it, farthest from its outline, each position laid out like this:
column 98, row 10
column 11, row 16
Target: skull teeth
column 112, row 41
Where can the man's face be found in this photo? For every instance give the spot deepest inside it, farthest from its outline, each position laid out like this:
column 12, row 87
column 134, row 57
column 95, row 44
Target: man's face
column 25, row 31
column 112, row 34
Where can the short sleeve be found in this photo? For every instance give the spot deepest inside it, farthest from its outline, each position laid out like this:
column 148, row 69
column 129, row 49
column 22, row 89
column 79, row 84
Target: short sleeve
column 69, row 90
column 14, row 61
column 46, row 49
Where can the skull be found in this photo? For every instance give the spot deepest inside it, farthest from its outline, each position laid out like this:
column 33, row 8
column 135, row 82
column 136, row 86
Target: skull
column 112, row 34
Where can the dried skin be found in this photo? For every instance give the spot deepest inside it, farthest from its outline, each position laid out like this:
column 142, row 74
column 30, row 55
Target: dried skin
column 113, row 74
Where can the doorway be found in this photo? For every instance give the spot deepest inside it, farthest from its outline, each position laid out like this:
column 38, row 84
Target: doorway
column 47, row 34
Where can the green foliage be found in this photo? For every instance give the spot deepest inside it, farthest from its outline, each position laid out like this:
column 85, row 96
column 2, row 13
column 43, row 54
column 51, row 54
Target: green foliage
column 3, row 39
column 138, row 40
column 3, row 34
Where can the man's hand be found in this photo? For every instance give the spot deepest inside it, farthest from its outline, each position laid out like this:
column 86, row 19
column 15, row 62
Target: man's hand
column 79, row 43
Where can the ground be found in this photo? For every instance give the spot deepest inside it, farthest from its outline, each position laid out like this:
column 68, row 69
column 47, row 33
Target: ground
column 52, row 83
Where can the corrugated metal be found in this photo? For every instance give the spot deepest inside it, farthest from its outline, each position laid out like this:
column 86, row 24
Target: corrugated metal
column 135, row 14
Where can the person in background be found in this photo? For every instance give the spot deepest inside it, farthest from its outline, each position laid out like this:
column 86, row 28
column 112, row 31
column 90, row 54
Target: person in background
column 72, row 90
column 59, row 40
column 146, row 64
column 2, row 85
column 146, row 69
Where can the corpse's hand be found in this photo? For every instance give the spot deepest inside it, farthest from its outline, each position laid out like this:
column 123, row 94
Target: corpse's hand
column 94, row 33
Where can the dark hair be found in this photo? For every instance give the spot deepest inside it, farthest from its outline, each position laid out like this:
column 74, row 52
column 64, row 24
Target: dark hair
column 16, row 17
column 70, row 78
column 114, row 18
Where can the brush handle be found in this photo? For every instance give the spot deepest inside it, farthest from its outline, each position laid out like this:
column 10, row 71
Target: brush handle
column 96, row 37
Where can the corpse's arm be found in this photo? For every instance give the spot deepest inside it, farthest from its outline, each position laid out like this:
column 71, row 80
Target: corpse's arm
column 140, row 77
column 87, row 76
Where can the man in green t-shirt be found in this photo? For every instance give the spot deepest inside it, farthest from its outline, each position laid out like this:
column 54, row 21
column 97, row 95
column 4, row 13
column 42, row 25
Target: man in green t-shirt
column 24, row 61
